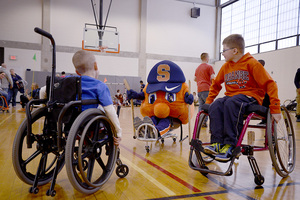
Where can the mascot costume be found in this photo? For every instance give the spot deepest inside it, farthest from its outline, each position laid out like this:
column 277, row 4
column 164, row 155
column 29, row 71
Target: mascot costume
column 165, row 97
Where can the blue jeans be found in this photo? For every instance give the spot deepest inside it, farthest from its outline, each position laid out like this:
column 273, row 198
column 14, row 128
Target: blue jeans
column 201, row 99
column 12, row 94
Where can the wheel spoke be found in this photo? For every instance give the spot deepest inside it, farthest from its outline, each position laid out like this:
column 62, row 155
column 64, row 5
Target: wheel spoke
column 101, row 163
column 90, row 168
column 34, row 155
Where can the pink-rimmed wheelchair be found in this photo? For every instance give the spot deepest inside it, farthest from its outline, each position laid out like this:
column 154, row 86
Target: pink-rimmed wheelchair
column 279, row 139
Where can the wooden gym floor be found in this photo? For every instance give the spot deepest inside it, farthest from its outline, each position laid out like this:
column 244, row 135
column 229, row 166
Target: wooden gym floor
column 163, row 173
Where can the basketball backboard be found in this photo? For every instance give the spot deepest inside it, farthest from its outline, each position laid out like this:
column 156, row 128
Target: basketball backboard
column 100, row 40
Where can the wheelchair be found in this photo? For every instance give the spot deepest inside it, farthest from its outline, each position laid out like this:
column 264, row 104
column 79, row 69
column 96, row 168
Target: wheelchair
column 60, row 133
column 3, row 104
column 279, row 139
column 150, row 133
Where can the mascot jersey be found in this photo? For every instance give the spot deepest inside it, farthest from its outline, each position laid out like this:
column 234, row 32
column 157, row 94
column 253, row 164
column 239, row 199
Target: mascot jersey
column 165, row 96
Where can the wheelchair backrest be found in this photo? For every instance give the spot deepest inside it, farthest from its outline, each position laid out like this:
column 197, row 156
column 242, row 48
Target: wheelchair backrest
column 64, row 90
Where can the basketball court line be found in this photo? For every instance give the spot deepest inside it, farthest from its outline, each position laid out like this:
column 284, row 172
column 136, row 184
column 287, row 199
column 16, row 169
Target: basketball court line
column 2, row 121
column 149, row 177
column 179, row 180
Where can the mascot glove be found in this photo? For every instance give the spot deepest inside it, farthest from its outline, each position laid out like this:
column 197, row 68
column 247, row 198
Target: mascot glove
column 131, row 94
column 188, row 98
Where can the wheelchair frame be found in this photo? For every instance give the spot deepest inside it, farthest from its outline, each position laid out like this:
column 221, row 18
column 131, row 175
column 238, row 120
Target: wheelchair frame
column 78, row 146
column 150, row 127
column 3, row 102
column 273, row 142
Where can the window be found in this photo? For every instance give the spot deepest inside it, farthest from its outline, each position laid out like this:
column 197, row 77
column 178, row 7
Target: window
column 265, row 24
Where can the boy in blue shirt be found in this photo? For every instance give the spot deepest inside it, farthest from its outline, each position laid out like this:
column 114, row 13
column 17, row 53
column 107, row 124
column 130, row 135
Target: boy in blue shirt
column 92, row 88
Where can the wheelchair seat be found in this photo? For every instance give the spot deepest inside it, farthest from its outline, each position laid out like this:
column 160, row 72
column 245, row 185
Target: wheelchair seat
column 253, row 108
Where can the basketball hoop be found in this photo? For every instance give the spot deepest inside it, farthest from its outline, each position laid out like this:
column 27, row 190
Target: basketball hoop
column 105, row 40
column 102, row 48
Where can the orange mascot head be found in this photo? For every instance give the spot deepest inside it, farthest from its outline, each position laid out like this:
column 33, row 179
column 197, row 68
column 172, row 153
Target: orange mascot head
column 165, row 92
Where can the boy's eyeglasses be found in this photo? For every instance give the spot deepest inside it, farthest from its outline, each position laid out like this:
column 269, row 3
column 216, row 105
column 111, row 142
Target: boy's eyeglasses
column 224, row 50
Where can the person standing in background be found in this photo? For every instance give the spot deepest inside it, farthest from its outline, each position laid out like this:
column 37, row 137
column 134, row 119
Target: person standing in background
column 142, row 85
column 203, row 76
column 13, row 89
column 297, row 84
column 7, row 80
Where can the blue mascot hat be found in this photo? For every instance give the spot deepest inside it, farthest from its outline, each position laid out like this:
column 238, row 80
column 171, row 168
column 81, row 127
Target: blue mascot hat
column 165, row 76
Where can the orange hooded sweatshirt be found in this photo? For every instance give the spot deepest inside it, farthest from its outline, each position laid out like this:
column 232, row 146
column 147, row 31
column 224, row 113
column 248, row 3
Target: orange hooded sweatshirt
column 247, row 76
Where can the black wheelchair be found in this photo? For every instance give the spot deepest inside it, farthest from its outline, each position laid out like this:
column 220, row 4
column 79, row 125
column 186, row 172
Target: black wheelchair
column 279, row 139
column 60, row 133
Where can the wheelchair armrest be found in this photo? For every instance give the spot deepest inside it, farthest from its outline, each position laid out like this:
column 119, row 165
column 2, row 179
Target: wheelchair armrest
column 258, row 109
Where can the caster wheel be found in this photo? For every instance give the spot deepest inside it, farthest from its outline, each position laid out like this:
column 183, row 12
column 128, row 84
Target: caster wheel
column 147, row 149
column 259, row 180
column 162, row 140
column 51, row 193
column 174, row 139
column 122, row 171
column 204, row 173
column 134, row 137
column 34, row 190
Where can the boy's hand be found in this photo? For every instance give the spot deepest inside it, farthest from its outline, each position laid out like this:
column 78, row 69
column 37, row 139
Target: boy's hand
column 276, row 117
column 117, row 140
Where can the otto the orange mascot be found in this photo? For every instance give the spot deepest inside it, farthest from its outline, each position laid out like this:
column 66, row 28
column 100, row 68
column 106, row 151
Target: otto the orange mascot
column 165, row 96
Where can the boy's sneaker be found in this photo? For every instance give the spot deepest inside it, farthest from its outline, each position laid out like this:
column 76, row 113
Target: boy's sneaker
column 213, row 149
column 225, row 153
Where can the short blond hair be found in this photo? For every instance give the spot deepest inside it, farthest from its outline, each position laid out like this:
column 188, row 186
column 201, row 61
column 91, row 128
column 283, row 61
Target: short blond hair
column 83, row 61
column 34, row 86
column 235, row 41
column 204, row 56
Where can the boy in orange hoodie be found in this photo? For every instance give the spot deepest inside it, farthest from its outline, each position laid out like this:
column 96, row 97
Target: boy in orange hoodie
column 246, row 82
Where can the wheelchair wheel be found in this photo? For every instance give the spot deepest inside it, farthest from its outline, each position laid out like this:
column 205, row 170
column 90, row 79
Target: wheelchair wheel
column 281, row 143
column 90, row 152
column 204, row 134
column 26, row 160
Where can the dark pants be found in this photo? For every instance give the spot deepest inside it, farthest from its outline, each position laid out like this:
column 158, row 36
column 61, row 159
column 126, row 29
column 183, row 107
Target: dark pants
column 226, row 118
column 12, row 94
column 23, row 100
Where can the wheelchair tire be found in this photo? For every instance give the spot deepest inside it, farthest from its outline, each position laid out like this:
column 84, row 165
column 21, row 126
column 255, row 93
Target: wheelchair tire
column 281, row 143
column 98, row 150
column 26, row 160
column 203, row 134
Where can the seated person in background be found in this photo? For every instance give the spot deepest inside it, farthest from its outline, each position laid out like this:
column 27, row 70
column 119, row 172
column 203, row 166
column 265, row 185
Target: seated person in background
column 92, row 88
column 34, row 94
column 4, row 74
column 2, row 92
column 246, row 82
